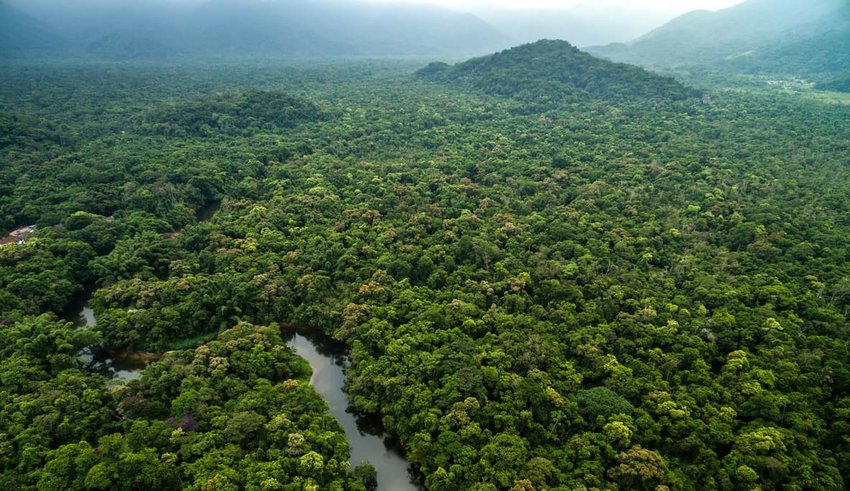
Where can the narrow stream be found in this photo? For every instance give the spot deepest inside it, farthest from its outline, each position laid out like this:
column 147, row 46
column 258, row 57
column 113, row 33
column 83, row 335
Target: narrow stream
column 123, row 365
column 367, row 441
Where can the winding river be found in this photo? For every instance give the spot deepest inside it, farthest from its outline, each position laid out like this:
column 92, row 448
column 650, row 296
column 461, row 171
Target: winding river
column 124, row 365
column 327, row 358
column 366, row 439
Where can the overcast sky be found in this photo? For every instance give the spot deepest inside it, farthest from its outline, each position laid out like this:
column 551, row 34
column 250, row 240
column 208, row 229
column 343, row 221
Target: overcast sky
column 673, row 6
column 582, row 22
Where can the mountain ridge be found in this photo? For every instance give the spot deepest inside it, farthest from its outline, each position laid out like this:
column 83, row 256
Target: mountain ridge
column 754, row 37
column 22, row 35
column 229, row 28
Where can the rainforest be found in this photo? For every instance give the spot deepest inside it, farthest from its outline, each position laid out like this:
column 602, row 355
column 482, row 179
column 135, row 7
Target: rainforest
column 532, row 270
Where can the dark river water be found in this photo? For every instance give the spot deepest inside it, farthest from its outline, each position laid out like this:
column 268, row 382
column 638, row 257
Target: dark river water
column 124, row 365
column 366, row 439
column 207, row 211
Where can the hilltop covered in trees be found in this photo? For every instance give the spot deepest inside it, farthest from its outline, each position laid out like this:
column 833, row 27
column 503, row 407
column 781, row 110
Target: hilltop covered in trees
column 555, row 72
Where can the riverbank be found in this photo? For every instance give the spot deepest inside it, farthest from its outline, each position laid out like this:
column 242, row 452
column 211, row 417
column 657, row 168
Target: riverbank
column 367, row 440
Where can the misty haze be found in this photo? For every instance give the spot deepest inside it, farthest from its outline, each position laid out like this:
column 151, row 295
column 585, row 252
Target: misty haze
column 516, row 245
column 307, row 28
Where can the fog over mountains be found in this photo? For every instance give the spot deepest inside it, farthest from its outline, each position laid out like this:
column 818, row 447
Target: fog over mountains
column 222, row 28
column 133, row 29
column 785, row 37
column 807, row 38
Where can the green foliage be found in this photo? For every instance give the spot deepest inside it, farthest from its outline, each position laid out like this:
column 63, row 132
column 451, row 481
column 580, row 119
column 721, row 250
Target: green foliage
column 223, row 414
column 145, row 255
column 837, row 84
column 366, row 474
column 234, row 114
column 601, row 401
column 555, row 72
column 42, row 275
column 632, row 295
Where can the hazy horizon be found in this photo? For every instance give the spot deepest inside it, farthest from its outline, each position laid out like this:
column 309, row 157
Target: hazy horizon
column 581, row 22
column 673, row 7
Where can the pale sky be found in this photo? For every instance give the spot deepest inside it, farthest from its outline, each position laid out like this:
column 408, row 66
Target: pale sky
column 656, row 5
column 675, row 6
column 581, row 22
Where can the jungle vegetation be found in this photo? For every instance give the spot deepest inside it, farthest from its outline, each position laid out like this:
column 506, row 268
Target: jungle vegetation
column 602, row 291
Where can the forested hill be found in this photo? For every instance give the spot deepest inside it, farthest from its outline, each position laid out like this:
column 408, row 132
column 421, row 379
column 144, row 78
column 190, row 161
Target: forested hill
column 551, row 71
column 782, row 37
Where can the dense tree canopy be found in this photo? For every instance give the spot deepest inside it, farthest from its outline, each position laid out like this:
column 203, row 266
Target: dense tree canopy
column 627, row 293
column 553, row 72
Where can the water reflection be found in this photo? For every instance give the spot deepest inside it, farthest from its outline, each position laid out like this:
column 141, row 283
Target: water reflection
column 78, row 310
column 85, row 318
column 365, row 436
column 121, row 365
column 328, row 359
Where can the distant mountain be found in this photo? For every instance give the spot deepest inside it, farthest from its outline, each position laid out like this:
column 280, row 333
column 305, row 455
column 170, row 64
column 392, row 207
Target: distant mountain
column 302, row 28
column 282, row 28
column 22, row 35
column 819, row 49
column 264, row 28
column 398, row 29
column 549, row 72
column 590, row 22
column 788, row 37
